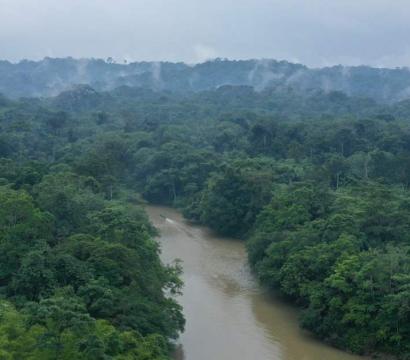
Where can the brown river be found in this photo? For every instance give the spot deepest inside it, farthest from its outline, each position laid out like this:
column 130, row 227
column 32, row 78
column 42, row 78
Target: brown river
column 228, row 315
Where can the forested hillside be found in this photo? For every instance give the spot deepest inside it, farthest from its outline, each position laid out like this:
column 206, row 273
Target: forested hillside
column 80, row 275
column 50, row 76
column 316, row 182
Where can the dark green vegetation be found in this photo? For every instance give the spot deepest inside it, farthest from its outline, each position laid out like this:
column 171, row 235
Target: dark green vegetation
column 318, row 184
column 80, row 276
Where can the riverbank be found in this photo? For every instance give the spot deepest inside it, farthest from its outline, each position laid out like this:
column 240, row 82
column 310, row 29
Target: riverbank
column 229, row 316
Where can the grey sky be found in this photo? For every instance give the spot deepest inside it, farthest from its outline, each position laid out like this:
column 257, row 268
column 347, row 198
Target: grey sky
column 313, row 32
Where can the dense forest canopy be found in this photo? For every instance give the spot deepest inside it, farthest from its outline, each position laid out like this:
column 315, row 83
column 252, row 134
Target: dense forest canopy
column 50, row 76
column 316, row 182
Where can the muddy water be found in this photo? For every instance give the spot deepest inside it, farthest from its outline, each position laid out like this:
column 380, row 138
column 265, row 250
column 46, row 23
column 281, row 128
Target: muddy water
column 229, row 317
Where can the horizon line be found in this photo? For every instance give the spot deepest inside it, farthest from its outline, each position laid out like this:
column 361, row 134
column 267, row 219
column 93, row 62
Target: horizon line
column 125, row 62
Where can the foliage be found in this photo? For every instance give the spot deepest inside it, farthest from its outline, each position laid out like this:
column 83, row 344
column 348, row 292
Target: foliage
column 317, row 183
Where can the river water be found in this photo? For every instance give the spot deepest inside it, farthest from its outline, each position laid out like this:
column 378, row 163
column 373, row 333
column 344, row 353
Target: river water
column 229, row 316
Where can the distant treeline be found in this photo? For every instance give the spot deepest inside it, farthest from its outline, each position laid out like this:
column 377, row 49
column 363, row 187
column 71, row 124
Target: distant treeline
column 50, row 76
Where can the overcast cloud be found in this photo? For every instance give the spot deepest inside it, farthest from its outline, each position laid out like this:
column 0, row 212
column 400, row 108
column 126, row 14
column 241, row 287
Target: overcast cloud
column 313, row 32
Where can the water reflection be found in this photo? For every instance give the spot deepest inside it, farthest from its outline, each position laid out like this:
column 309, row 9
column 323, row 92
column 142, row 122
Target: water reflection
column 179, row 352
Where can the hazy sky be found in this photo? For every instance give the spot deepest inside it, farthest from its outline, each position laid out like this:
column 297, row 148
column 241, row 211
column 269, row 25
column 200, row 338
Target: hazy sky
column 313, row 32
